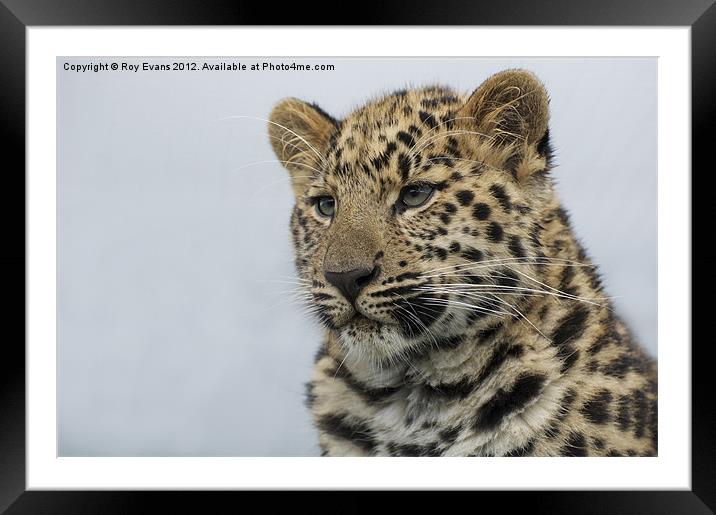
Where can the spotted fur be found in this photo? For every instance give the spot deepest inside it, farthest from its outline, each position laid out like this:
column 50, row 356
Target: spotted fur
column 484, row 330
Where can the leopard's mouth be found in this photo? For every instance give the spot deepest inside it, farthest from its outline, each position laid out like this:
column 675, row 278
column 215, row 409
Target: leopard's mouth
column 364, row 324
column 361, row 321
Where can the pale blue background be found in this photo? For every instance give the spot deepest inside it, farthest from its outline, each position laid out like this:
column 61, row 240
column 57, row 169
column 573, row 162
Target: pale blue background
column 168, row 343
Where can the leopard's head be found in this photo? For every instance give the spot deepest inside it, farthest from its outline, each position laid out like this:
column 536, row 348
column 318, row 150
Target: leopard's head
column 416, row 215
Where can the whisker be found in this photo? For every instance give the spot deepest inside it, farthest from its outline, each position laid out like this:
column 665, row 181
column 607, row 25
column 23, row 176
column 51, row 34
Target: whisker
column 435, row 127
column 343, row 361
column 470, row 287
column 522, row 315
column 288, row 143
column 499, row 261
column 298, row 302
column 418, row 319
column 274, row 161
column 280, row 181
column 282, row 281
column 475, row 307
column 451, row 158
column 445, row 135
column 311, row 147
column 550, row 287
column 280, row 276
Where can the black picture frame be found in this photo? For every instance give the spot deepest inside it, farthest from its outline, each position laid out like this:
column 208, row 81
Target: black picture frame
column 17, row 15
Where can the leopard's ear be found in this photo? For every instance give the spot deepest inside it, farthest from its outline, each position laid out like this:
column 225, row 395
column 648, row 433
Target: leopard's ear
column 511, row 108
column 299, row 134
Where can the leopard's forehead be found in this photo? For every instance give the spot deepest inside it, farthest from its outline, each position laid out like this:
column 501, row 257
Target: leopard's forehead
column 391, row 134
column 405, row 103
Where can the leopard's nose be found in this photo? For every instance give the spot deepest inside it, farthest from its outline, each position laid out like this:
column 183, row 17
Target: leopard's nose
column 351, row 282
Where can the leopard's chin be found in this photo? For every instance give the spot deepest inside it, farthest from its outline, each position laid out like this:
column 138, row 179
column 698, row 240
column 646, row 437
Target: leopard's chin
column 376, row 342
column 356, row 324
column 363, row 324
column 359, row 322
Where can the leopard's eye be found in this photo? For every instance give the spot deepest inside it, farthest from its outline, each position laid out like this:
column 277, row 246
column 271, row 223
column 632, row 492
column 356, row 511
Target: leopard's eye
column 325, row 206
column 415, row 195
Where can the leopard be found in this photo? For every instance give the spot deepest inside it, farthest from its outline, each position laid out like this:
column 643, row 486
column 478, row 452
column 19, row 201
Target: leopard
column 460, row 313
